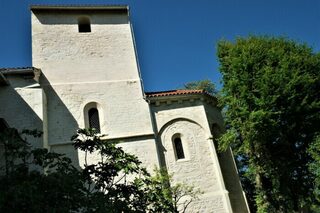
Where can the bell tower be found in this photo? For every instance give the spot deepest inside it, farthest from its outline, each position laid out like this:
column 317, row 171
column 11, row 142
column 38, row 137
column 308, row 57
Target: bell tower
column 88, row 60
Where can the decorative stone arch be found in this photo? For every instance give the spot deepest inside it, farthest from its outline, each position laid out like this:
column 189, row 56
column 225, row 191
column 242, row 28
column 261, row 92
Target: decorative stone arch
column 174, row 127
column 200, row 167
column 199, row 159
column 87, row 112
column 169, row 142
column 175, row 120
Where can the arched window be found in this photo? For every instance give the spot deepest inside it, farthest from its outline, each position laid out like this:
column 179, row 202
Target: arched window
column 84, row 25
column 93, row 118
column 178, row 148
column 93, row 113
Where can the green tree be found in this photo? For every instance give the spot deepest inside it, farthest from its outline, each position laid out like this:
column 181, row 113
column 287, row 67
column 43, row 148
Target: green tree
column 114, row 182
column 173, row 197
column 24, row 187
column 206, row 85
column 314, row 167
column 271, row 96
column 122, row 185
column 40, row 181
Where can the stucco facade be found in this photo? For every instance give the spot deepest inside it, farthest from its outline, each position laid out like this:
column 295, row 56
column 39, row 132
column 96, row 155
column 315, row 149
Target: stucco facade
column 77, row 71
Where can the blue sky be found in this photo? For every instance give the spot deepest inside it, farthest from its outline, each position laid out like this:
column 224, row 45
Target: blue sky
column 176, row 39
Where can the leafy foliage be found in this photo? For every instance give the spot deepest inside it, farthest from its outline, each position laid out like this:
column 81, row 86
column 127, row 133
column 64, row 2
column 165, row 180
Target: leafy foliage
column 107, row 180
column 314, row 167
column 173, row 197
column 23, row 185
column 271, row 95
column 38, row 180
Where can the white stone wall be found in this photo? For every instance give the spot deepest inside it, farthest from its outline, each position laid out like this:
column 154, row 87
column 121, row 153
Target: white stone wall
column 99, row 67
column 122, row 112
column 145, row 149
column 194, row 111
column 22, row 106
column 79, row 68
column 227, row 164
column 200, row 167
column 197, row 168
column 67, row 56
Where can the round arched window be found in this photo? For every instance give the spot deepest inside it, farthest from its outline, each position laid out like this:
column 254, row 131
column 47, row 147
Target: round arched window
column 93, row 114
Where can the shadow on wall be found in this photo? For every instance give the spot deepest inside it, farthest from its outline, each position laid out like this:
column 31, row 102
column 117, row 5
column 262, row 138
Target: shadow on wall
column 61, row 123
column 24, row 106
column 229, row 173
column 20, row 107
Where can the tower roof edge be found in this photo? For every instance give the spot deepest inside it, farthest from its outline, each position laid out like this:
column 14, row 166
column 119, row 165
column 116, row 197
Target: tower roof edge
column 37, row 7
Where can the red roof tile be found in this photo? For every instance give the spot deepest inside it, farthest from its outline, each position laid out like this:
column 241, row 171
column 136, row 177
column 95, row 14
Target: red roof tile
column 174, row 92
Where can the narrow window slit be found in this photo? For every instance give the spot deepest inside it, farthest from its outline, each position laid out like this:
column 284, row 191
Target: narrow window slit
column 178, row 148
column 84, row 25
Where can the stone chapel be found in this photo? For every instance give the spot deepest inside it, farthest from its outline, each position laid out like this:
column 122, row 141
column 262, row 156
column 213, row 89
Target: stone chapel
column 85, row 74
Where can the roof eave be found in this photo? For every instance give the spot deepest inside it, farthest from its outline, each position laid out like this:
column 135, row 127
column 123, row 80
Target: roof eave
column 201, row 96
column 28, row 71
column 78, row 7
column 16, row 71
column 180, row 96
